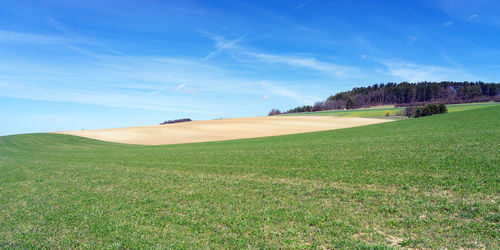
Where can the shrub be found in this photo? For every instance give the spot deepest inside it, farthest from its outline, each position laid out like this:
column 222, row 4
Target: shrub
column 442, row 109
column 418, row 112
column 428, row 109
column 274, row 112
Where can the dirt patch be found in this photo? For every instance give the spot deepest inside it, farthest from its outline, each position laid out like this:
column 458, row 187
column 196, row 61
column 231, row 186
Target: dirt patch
column 223, row 129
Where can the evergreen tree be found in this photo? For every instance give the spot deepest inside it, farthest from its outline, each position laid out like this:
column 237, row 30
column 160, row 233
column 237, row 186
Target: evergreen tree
column 407, row 94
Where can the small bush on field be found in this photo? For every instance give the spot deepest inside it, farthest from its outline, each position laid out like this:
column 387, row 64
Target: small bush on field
column 175, row 121
column 429, row 109
column 387, row 113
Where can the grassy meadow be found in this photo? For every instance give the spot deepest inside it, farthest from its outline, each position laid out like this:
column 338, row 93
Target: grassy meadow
column 431, row 182
column 379, row 112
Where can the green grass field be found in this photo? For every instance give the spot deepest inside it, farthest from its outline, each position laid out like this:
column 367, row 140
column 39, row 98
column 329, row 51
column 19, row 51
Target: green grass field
column 380, row 112
column 431, row 182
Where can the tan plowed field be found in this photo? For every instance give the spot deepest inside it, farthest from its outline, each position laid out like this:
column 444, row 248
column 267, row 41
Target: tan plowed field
column 223, row 129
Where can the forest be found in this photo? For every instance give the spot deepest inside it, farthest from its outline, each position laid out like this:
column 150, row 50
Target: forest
column 406, row 94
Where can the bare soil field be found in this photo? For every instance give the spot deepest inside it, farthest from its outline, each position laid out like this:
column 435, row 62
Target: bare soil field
column 223, row 129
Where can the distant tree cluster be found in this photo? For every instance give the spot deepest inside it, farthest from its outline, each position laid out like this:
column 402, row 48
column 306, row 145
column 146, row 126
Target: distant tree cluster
column 305, row 108
column 408, row 94
column 175, row 121
column 274, row 112
column 426, row 110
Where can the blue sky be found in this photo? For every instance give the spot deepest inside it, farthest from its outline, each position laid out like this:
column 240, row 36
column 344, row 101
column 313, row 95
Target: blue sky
column 68, row 65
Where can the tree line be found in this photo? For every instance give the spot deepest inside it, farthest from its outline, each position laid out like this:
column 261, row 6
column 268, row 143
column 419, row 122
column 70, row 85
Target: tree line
column 407, row 94
column 175, row 121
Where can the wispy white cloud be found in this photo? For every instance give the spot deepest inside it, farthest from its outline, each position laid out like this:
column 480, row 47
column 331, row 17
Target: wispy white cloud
column 19, row 37
column 7, row 36
column 181, row 87
column 311, row 63
column 177, row 84
column 72, row 42
column 67, row 32
column 415, row 72
column 296, row 8
column 144, row 82
column 447, row 24
column 451, row 61
column 469, row 10
column 221, row 44
column 302, row 5
column 110, row 99
column 185, row 89
column 288, row 92
column 154, row 82
column 306, row 62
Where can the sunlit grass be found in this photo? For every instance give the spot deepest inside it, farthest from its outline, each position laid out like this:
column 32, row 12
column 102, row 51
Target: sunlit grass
column 430, row 182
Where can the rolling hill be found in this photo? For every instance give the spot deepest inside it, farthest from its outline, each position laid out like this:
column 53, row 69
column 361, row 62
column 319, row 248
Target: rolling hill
column 431, row 182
